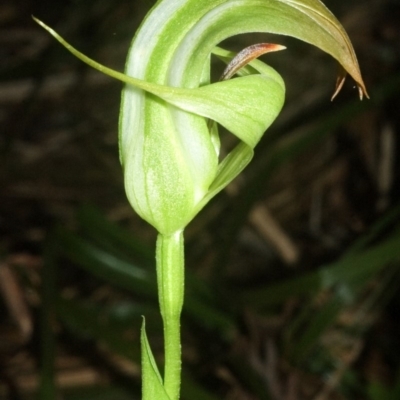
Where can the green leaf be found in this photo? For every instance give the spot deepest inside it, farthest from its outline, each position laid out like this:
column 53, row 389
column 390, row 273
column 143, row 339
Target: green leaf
column 90, row 320
column 113, row 238
column 347, row 270
column 106, row 265
column 378, row 391
column 151, row 379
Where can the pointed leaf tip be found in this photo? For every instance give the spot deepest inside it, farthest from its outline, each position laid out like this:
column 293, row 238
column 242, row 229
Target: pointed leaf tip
column 362, row 91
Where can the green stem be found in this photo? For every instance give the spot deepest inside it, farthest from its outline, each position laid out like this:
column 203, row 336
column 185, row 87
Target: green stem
column 170, row 280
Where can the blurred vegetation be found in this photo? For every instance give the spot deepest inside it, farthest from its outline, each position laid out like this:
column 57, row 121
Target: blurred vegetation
column 292, row 273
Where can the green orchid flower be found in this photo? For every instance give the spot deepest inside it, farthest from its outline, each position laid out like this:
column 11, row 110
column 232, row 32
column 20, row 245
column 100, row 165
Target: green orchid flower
column 168, row 127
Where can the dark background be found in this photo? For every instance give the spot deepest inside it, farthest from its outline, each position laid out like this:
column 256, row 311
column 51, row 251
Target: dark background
column 293, row 272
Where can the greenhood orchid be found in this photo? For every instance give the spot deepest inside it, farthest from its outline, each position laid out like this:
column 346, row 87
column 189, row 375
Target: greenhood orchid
column 168, row 134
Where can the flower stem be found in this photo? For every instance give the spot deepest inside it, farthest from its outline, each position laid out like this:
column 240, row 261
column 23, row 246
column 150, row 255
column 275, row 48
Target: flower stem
column 170, row 281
